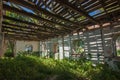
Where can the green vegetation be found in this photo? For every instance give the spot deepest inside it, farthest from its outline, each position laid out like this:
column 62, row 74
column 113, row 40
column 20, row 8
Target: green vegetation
column 8, row 54
column 35, row 68
column 118, row 52
column 78, row 46
column 32, row 53
column 21, row 17
column 10, row 49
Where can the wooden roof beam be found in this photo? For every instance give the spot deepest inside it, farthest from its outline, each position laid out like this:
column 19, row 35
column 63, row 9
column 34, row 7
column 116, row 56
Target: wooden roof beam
column 32, row 24
column 24, row 33
column 18, row 26
column 39, row 10
column 20, row 37
column 36, row 30
column 23, row 30
column 12, row 9
column 20, row 34
column 78, row 10
column 30, row 32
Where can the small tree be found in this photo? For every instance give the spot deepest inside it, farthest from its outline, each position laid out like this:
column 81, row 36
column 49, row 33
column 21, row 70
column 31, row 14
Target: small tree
column 10, row 48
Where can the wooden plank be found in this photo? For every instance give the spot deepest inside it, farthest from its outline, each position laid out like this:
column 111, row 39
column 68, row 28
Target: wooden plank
column 39, row 10
column 15, row 31
column 0, row 15
column 12, row 9
column 70, row 45
column 63, row 47
column 43, row 28
column 14, row 26
column 15, row 34
column 78, row 10
column 94, row 5
column 1, row 34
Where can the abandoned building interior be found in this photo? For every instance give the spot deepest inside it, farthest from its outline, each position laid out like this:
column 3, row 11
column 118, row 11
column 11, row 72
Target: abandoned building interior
column 62, row 29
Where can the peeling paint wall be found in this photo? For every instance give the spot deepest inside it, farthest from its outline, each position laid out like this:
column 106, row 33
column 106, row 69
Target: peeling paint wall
column 20, row 45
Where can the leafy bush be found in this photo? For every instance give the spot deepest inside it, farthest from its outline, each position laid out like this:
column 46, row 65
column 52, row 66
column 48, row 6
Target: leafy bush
column 118, row 52
column 24, row 53
column 35, row 53
column 8, row 54
column 34, row 68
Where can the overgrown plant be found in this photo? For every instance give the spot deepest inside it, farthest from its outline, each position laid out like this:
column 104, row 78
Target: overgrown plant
column 35, row 68
column 10, row 49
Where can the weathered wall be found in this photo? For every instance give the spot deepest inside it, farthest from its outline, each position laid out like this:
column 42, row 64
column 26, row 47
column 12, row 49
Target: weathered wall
column 20, row 45
column 99, row 43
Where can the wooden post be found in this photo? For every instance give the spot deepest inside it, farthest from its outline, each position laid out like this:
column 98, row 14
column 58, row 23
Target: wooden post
column 44, row 49
column 1, row 44
column 113, row 42
column 0, row 16
column 59, row 45
column 96, row 39
column 39, row 48
column 57, row 49
column 88, row 45
column 41, row 52
column 47, row 49
column 49, row 45
column 78, row 35
column 1, row 34
column 102, row 39
column 63, row 46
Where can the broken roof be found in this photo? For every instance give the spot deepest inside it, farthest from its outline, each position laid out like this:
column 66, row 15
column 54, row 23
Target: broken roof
column 45, row 19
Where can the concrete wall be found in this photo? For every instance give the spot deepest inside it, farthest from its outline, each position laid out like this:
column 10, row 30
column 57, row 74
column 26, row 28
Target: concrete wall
column 98, row 45
column 101, row 46
column 20, row 45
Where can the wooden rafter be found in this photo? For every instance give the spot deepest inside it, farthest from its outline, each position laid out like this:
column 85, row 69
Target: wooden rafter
column 24, row 27
column 74, row 8
column 15, row 31
column 12, row 9
column 40, row 28
column 37, row 9
column 56, row 17
column 30, row 23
